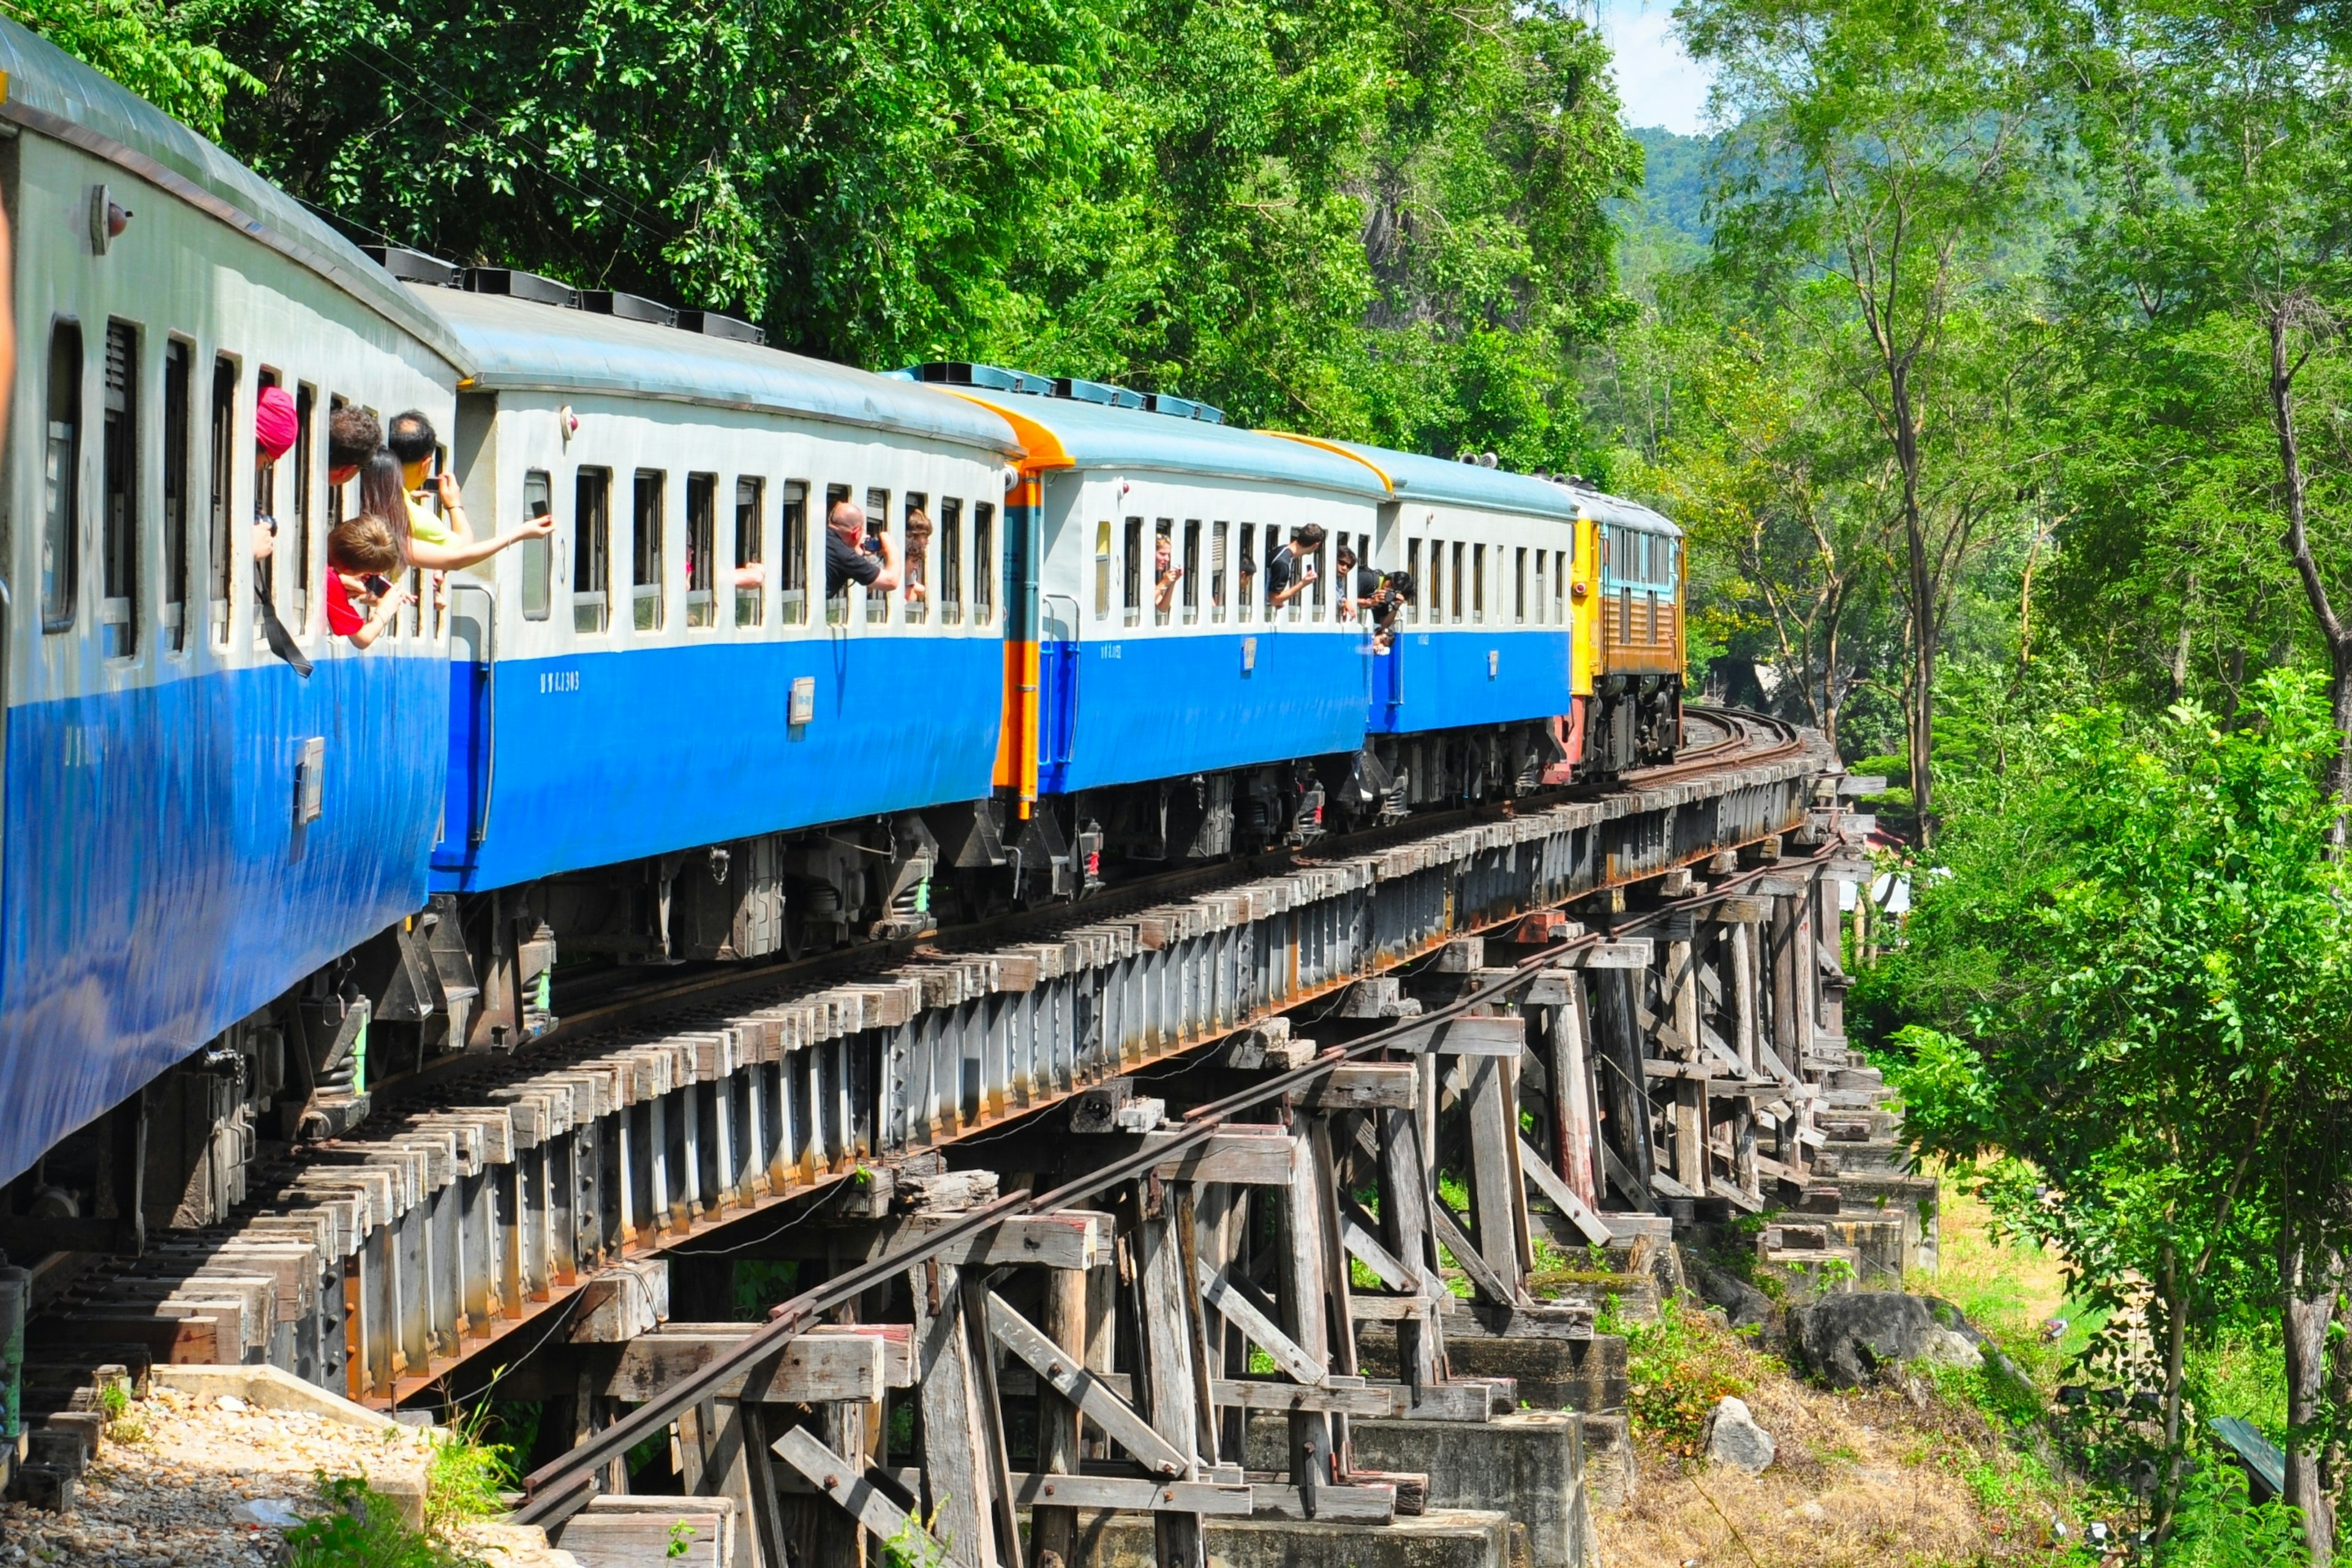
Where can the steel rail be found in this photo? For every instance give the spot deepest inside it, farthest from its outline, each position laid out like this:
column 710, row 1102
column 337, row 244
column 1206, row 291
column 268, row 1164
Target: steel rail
column 561, row 1487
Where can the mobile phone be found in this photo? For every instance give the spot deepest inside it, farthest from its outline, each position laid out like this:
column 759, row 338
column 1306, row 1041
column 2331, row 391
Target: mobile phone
column 377, row 584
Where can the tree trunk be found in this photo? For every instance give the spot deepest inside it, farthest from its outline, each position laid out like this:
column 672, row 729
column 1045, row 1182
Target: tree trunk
column 2176, row 1323
column 2312, row 1277
column 1920, row 720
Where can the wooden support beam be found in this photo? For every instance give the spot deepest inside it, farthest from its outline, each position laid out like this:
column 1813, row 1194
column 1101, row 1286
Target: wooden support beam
column 1368, row 1086
column 1376, row 1401
column 1133, row 1495
column 817, row 1367
column 1165, row 1361
column 1472, row 1035
column 1631, row 953
column 956, row 1447
column 1404, row 1227
column 1234, row 1301
column 1562, row 1197
column 1496, row 1196
column 1451, row 1236
column 1255, row 1157
column 1054, row 1527
column 1373, row 1504
column 1302, row 1263
column 1062, row 1372
column 832, row 1475
column 1356, row 1235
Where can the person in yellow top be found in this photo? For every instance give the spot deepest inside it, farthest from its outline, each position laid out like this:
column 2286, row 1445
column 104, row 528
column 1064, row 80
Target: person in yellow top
column 433, row 544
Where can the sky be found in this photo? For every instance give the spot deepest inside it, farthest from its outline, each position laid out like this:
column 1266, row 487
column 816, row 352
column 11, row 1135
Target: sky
column 1659, row 84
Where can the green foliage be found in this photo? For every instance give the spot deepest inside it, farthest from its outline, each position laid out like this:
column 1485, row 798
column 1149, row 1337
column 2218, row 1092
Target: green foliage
column 466, row 1472
column 1676, row 1370
column 360, row 1528
column 2217, row 1526
column 113, row 1399
column 681, row 1539
column 156, row 49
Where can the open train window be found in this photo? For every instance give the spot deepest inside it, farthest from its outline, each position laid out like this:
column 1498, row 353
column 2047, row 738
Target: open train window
column 534, row 558
column 1519, row 588
column 1434, row 590
column 1102, row 571
column 877, row 519
column 1478, row 584
column 1412, row 570
column 645, row 549
column 950, row 571
column 1189, row 588
column 1246, row 590
column 1560, row 562
column 792, row 522
column 224, row 474
column 1459, row 549
column 1163, row 531
column 1217, row 557
column 117, row 609
column 60, row 479
column 177, row 355
column 1540, row 607
column 836, row 598
column 917, row 548
column 295, row 589
column 984, row 563
column 591, row 559
column 751, row 508
column 702, row 548
column 1131, row 570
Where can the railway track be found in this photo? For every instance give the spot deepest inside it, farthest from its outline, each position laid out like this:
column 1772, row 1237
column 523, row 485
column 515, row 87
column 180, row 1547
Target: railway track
column 483, row 1199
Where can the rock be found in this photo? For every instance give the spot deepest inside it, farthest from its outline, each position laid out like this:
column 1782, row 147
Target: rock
column 1845, row 1340
column 230, row 1403
column 272, row 1512
column 1744, row 1305
column 1811, row 1511
column 1732, row 1438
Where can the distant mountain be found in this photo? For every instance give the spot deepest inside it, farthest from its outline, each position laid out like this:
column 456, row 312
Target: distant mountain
column 1673, row 192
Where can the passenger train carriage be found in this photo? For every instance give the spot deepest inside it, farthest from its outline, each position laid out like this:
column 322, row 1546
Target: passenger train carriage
column 190, row 825
column 237, row 898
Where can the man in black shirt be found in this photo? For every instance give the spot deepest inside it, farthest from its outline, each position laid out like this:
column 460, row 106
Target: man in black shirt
column 1357, row 583
column 1293, row 566
column 846, row 559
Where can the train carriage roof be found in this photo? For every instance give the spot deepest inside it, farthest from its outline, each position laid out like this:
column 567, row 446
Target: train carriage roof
column 1412, row 477
column 522, row 344
column 1068, row 432
column 50, row 93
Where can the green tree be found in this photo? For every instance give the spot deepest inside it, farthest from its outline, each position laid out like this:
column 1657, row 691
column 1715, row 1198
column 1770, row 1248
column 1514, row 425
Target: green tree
column 149, row 47
column 2136, row 981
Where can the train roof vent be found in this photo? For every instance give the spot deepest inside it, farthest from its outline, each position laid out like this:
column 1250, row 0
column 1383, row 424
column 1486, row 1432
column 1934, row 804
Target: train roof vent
column 1109, row 396
column 415, row 266
column 711, row 324
column 1183, row 407
column 627, row 306
column 995, row 378
column 517, row 284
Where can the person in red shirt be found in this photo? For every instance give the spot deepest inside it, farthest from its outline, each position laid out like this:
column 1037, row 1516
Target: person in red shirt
column 366, row 558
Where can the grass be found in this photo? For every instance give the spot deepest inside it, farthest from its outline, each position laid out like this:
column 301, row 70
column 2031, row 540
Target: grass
column 360, row 1528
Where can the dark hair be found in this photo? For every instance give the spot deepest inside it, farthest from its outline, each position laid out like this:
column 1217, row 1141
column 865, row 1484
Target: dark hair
column 411, row 438
column 1399, row 584
column 353, row 437
column 381, row 495
column 1347, row 557
column 1311, row 536
column 919, row 524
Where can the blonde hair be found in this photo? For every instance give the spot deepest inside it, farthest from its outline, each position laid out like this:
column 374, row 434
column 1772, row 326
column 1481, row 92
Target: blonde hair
column 364, row 543
column 919, row 525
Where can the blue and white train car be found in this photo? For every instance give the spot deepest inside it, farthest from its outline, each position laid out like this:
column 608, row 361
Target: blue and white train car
column 1173, row 731
column 191, row 827
column 643, row 704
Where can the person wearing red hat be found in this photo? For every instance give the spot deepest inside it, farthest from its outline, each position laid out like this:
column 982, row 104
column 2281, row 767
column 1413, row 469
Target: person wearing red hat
column 276, row 424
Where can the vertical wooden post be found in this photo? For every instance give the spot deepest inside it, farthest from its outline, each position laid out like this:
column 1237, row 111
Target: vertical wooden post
column 1404, row 1222
column 1303, row 1286
column 1571, row 1094
column 1056, row 1530
column 1497, row 1202
column 1625, row 1088
column 955, row 1443
column 1339, row 1309
column 1165, row 1361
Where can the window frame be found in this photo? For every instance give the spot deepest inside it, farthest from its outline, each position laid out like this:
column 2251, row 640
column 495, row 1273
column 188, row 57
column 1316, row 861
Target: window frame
column 119, row 489
column 648, row 549
column 592, row 525
column 534, row 549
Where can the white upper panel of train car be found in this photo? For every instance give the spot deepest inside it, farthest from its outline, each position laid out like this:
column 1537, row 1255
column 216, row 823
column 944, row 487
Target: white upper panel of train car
column 1616, row 511
column 50, row 92
column 1412, row 477
column 1070, row 432
column 522, row 344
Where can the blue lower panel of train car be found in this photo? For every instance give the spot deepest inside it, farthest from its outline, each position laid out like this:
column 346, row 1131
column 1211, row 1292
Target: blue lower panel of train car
column 598, row 758
column 1125, row 711
column 1449, row 679
column 159, row 887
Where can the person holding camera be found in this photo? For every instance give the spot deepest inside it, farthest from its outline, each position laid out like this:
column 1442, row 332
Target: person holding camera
column 1165, row 574
column 1292, row 570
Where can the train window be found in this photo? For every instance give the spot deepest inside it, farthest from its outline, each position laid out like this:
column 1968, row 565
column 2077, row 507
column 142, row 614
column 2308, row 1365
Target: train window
column 1245, row 594
column 592, row 556
column 1322, row 575
column 297, row 548
column 1102, row 571
column 950, row 585
column 1131, row 570
column 1162, row 532
column 535, row 558
column 265, row 505
column 117, row 606
column 702, row 548
column 984, row 563
column 224, row 474
column 1190, row 587
column 1540, row 605
column 1458, row 576
column 877, row 519
column 60, row 477
column 751, row 603
column 177, row 355
column 1478, row 583
column 1434, row 590
column 836, row 600
column 646, row 550
column 1412, row 570
column 1217, row 532
column 1559, row 559
column 1519, row 588
column 791, row 526
column 916, row 547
